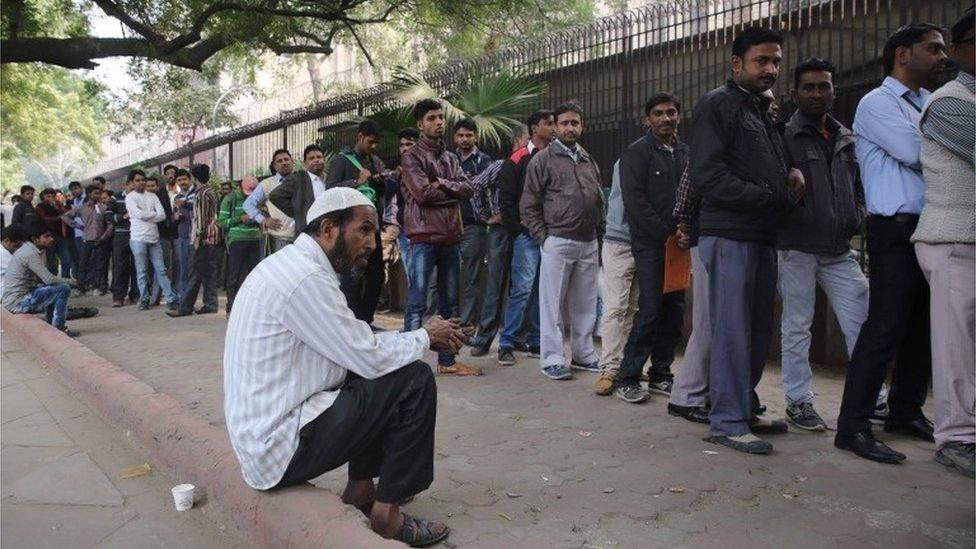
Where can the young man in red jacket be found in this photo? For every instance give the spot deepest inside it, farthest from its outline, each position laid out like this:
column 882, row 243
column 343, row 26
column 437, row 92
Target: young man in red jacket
column 434, row 185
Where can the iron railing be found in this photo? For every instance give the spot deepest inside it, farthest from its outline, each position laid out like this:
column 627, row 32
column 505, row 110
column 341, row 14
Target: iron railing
column 610, row 67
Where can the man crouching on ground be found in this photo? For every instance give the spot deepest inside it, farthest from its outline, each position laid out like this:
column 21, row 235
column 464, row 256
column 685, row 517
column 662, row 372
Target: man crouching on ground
column 308, row 388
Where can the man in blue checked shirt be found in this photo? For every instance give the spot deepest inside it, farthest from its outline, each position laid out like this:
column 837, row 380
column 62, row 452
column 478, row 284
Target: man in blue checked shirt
column 473, row 162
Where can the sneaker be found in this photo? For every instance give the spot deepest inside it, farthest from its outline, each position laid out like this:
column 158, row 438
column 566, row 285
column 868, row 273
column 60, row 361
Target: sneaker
column 143, row 306
column 769, row 426
column 479, row 350
column 67, row 332
column 747, row 443
column 604, row 385
column 506, row 357
column 805, row 417
column 588, row 367
column 662, row 387
column 557, row 372
column 880, row 412
column 532, row 350
column 634, row 394
column 959, row 456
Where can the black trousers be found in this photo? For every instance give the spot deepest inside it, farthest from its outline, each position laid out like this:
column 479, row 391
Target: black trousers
column 242, row 257
column 363, row 293
column 382, row 428
column 203, row 272
column 897, row 324
column 649, row 264
column 123, row 269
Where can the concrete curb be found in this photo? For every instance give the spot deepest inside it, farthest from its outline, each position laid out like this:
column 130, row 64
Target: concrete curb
column 192, row 450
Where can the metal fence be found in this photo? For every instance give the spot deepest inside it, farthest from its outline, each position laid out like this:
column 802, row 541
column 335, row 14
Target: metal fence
column 611, row 66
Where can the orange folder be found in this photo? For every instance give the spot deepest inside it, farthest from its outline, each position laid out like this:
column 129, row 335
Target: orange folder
column 677, row 267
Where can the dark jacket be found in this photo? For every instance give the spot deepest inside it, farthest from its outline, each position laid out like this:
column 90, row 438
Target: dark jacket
column 343, row 173
column 473, row 165
column 25, row 214
column 432, row 214
column 167, row 227
column 833, row 203
column 294, row 197
column 511, row 180
column 649, row 177
column 737, row 165
column 563, row 198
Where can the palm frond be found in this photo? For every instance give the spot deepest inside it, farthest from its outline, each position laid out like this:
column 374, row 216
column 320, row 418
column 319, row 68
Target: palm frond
column 498, row 102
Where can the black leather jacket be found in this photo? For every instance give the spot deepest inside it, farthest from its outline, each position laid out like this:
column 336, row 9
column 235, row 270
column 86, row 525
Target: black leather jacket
column 738, row 166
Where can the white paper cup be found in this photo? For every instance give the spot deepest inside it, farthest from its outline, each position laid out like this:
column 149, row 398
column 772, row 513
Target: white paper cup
column 183, row 496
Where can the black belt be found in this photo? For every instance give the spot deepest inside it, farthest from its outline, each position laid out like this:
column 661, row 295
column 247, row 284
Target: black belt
column 900, row 218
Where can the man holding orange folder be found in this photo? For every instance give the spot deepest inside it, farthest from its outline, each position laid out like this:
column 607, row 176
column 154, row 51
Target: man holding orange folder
column 650, row 170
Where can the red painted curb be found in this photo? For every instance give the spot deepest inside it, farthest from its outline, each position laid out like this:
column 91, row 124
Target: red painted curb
column 190, row 449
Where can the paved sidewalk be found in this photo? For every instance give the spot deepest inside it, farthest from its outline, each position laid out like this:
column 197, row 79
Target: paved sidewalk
column 523, row 461
column 61, row 474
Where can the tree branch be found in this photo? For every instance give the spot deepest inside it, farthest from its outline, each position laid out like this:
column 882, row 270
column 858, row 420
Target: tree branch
column 114, row 10
column 369, row 58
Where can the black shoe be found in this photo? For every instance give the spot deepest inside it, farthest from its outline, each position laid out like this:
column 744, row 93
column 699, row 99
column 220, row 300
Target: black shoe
column 205, row 311
column 761, row 410
column 68, row 332
column 176, row 313
column 866, row 446
column 479, row 350
column 143, row 306
column 532, row 350
column 662, row 387
column 695, row 414
column 919, row 428
column 506, row 357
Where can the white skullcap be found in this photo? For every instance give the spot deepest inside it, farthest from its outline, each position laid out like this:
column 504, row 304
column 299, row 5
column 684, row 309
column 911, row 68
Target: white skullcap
column 334, row 199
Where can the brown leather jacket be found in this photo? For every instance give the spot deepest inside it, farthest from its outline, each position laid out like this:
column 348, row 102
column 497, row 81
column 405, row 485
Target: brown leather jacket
column 433, row 184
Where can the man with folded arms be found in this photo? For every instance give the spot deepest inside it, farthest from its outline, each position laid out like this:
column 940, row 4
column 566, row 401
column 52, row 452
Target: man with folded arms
column 308, row 387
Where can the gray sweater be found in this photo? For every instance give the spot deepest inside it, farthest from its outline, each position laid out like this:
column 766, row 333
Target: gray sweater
column 618, row 230
column 949, row 213
column 27, row 270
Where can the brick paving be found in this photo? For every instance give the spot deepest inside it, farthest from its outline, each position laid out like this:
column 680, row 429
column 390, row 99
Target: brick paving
column 524, row 461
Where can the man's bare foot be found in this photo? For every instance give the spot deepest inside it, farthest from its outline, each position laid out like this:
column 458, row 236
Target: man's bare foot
column 359, row 492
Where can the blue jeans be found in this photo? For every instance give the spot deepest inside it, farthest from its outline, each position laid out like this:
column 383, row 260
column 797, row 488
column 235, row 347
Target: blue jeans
column 143, row 253
column 525, row 271
column 424, row 258
column 52, row 300
column 60, row 252
column 183, row 250
column 405, row 253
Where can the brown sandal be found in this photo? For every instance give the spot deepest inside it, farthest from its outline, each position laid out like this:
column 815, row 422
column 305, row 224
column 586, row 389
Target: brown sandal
column 458, row 369
column 418, row 532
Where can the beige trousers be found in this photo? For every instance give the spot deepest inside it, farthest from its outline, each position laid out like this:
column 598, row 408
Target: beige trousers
column 619, row 290
column 951, row 273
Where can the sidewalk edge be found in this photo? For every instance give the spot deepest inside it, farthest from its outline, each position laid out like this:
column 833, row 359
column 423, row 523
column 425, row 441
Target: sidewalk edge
column 190, row 449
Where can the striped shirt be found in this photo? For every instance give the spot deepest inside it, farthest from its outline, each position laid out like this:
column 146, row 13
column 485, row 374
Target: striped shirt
column 205, row 229
column 290, row 341
column 951, row 122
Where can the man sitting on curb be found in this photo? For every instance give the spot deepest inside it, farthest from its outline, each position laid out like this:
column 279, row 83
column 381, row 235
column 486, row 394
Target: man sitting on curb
column 309, row 388
column 11, row 239
column 21, row 291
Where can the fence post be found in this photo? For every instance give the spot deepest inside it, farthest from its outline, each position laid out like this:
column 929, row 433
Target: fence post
column 284, row 137
column 627, row 89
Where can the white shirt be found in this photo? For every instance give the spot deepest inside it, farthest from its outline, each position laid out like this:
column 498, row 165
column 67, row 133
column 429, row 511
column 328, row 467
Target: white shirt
column 145, row 210
column 318, row 186
column 5, row 256
column 290, row 341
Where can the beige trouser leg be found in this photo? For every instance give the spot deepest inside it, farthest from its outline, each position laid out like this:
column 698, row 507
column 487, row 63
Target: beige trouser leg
column 951, row 272
column 618, row 289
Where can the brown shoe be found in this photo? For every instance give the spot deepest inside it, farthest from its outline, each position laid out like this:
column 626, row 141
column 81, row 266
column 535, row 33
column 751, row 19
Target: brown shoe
column 604, row 386
column 458, row 369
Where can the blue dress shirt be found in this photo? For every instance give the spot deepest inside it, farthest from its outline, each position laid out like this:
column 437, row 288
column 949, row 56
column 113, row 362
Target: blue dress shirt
column 888, row 146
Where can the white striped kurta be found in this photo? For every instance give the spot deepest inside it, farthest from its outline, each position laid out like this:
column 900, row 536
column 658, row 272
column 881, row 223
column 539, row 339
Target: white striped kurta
column 290, row 341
